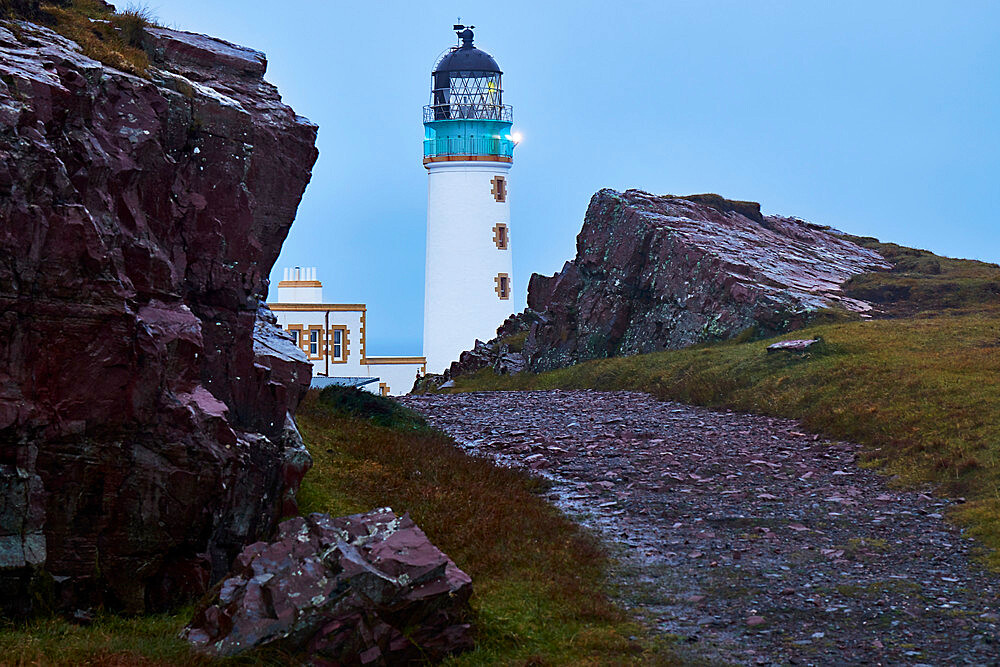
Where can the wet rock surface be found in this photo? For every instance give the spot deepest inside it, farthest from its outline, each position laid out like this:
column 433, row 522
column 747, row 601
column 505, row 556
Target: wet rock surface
column 752, row 541
column 341, row 591
column 145, row 398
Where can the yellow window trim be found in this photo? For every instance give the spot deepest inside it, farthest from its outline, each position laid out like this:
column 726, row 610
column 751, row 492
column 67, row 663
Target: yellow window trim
column 345, row 343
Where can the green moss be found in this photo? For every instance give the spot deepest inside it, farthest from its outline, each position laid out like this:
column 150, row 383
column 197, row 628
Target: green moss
column 515, row 342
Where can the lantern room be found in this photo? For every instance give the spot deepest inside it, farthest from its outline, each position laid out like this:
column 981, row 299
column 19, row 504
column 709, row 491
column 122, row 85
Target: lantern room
column 467, row 119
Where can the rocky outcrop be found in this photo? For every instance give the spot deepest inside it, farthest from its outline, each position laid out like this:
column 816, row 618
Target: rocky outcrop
column 654, row 273
column 364, row 589
column 145, row 398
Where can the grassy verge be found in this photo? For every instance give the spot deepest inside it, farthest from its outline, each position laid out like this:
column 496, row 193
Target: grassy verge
column 921, row 394
column 110, row 640
column 539, row 580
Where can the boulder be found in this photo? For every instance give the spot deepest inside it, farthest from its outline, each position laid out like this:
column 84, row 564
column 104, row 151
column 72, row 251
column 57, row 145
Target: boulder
column 654, row 273
column 480, row 356
column 799, row 345
column 366, row 589
column 145, row 395
column 663, row 272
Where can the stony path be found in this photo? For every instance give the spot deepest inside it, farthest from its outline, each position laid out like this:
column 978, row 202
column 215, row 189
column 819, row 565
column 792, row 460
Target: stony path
column 756, row 543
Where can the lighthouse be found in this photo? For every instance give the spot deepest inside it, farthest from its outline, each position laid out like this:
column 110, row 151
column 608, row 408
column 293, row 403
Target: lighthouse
column 468, row 153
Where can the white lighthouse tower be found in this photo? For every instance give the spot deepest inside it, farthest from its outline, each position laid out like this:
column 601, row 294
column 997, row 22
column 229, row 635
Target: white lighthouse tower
column 468, row 152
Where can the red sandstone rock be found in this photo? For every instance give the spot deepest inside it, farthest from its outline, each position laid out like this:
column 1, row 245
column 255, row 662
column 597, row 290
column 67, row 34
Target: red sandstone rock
column 145, row 400
column 342, row 590
column 654, row 273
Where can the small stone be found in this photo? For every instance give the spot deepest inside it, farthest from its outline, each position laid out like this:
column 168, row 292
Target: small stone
column 754, row 621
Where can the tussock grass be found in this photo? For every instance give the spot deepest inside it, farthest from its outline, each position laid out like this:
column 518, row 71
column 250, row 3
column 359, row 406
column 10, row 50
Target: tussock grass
column 921, row 394
column 115, row 39
column 131, row 24
column 366, row 406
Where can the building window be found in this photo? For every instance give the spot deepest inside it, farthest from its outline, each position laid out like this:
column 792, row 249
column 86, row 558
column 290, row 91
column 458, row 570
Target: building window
column 338, row 344
column 296, row 331
column 383, row 389
column 501, row 236
column 313, row 344
column 502, row 285
column 499, row 190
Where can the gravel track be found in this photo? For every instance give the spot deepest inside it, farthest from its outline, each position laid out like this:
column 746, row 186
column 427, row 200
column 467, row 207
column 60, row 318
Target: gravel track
column 752, row 541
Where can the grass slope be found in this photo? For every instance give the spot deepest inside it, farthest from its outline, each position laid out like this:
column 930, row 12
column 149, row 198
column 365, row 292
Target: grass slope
column 538, row 579
column 920, row 391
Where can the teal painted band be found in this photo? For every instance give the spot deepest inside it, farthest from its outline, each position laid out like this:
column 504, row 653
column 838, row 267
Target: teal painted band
column 467, row 137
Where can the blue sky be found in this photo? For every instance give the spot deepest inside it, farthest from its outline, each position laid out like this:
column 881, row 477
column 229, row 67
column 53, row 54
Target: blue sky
column 879, row 118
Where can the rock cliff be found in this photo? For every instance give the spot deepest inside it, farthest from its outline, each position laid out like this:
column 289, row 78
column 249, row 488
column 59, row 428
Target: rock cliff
column 145, row 396
column 662, row 272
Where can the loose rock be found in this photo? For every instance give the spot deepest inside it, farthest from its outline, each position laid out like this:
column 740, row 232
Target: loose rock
column 343, row 590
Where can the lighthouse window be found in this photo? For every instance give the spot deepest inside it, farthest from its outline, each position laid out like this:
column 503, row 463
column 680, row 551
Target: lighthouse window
column 500, row 235
column 499, row 190
column 338, row 344
column 502, row 285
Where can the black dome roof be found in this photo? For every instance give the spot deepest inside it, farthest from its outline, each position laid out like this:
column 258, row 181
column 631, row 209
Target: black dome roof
column 467, row 59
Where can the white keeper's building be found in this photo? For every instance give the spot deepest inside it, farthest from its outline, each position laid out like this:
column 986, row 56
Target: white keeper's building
column 333, row 336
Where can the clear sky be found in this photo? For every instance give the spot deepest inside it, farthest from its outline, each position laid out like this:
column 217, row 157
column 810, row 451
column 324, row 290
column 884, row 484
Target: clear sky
column 881, row 118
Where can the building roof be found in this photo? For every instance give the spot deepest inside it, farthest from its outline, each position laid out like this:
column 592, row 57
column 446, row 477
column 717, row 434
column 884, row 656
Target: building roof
column 466, row 58
column 320, row 381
